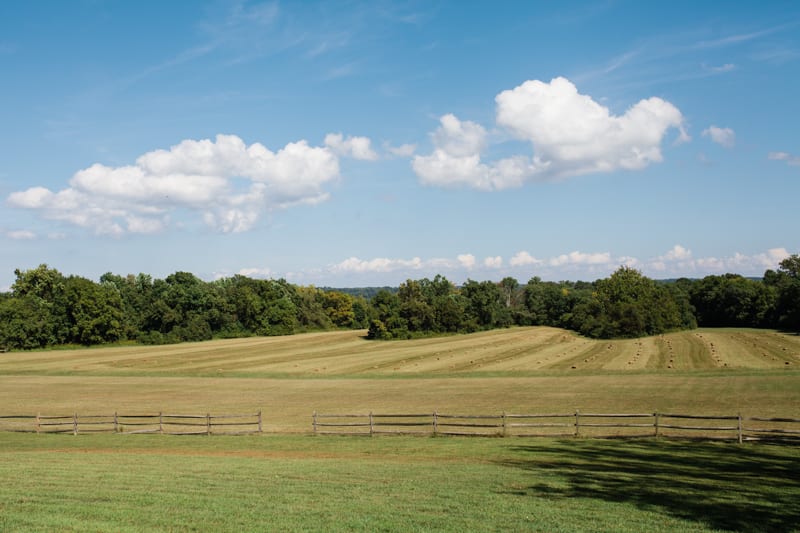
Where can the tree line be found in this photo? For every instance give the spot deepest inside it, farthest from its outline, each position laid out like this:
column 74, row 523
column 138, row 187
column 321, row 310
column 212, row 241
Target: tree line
column 46, row 308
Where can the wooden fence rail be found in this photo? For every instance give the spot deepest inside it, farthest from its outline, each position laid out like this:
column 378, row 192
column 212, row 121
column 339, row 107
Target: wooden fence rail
column 167, row 424
column 567, row 424
column 575, row 424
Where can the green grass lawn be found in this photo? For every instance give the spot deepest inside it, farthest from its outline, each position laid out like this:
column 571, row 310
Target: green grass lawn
column 293, row 483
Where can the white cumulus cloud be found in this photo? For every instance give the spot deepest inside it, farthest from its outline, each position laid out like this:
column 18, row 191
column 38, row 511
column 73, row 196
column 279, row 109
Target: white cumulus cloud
column 379, row 264
column 228, row 183
column 456, row 159
column 581, row 258
column 355, row 147
column 263, row 273
column 466, row 260
column 493, row 262
column 523, row 259
column 680, row 261
column 678, row 253
column 570, row 134
column 725, row 137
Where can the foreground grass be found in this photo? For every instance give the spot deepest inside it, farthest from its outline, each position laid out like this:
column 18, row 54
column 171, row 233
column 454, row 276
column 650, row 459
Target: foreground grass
column 146, row 483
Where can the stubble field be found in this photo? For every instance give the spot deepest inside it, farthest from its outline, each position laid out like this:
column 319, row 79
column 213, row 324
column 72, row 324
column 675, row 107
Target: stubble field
column 523, row 370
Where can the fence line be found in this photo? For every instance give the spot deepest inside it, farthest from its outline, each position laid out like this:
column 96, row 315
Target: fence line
column 573, row 424
column 161, row 423
column 565, row 424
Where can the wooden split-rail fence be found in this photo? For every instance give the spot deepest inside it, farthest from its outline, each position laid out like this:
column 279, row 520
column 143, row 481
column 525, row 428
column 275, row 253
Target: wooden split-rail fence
column 162, row 423
column 575, row 424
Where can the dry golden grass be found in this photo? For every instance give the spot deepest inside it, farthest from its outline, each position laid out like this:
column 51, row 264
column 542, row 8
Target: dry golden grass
column 523, row 370
column 346, row 353
column 289, row 403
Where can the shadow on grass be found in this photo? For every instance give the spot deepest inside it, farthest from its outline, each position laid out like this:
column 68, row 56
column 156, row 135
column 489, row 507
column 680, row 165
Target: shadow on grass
column 753, row 487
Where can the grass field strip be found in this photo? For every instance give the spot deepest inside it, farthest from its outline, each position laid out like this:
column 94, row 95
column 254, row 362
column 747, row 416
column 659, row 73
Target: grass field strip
column 577, row 424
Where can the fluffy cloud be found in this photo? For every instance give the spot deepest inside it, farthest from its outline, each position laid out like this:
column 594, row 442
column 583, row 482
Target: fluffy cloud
column 678, row 253
column 790, row 159
column 380, row 264
column 355, row 147
column 456, row 160
column 676, row 262
column 493, row 262
column 722, row 136
column 256, row 272
column 581, row 258
column 227, row 182
column 523, row 259
column 571, row 134
column 466, row 260
column 680, row 262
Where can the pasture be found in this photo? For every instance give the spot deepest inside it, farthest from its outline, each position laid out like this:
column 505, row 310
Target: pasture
column 290, row 480
column 517, row 370
column 292, row 483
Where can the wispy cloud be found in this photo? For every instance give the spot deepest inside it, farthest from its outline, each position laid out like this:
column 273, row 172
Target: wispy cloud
column 20, row 235
column 727, row 67
column 790, row 159
column 648, row 62
column 734, row 39
column 724, row 137
column 340, row 71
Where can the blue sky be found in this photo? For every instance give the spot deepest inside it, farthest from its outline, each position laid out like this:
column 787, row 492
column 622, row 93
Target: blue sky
column 364, row 143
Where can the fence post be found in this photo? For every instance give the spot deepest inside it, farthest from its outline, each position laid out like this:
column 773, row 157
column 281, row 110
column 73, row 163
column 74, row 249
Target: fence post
column 505, row 424
column 38, row 423
column 74, row 423
column 371, row 427
column 739, row 427
column 208, row 423
column 260, row 427
column 577, row 423
column 657, row 416
column 314, row 422
column 116, row 423
column 435, row 424
column 161, row 422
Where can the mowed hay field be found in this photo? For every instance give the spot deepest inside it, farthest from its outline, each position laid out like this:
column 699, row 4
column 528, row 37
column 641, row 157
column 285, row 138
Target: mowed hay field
column 288, row 480
column 522, row 370
column 516, row 351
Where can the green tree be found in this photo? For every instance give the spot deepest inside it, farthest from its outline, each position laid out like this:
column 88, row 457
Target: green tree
column 627, row 304
column 25, row 323
column 94, row 311
column 339, row 308
column 486, row 307
column 785, row 282
column 732, row 301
